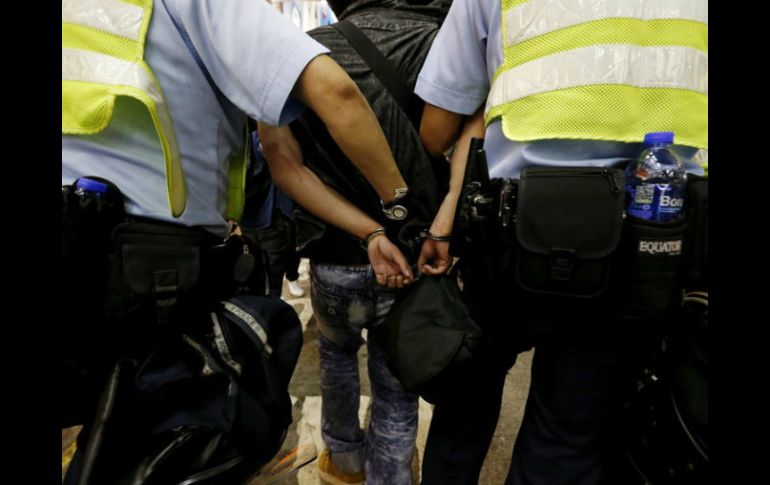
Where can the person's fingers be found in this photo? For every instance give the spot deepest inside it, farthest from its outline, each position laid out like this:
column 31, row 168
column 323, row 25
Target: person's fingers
column 400, row 261
column 381, row 279
column 421, row 260
column 428, row 269
column 440, row 266
column 395, row 257
column 400, row 281
column 432, row 270
column 427, row 253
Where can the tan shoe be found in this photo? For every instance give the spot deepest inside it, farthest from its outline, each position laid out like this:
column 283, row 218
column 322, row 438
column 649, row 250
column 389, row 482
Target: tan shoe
column 329, row 472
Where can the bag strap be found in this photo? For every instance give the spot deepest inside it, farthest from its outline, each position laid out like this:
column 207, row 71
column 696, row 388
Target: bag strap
column 188, row 42
column 248, row 324
column 382, row 67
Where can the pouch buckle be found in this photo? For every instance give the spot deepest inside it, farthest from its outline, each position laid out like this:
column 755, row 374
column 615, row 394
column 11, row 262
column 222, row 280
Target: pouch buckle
column 166, row 292
column 562, row 264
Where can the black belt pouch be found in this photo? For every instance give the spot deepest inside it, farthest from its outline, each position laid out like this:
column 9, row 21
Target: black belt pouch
column 156, row 271
column 569, row 222
column 648, row 281
column 696, row 246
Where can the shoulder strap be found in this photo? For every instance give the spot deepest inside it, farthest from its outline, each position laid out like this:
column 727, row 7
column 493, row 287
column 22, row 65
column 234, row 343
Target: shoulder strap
column 382, row 67
column 191, row 48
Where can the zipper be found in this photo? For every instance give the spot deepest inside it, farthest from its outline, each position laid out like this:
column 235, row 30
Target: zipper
column 577, row 172
column 221, row 343
column 613, row 183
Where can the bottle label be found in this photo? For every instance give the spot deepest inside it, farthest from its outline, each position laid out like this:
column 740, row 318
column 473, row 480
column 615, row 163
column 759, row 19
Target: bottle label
column 655, row 202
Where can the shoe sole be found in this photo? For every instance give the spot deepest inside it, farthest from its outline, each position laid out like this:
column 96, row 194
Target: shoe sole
column 332, row 480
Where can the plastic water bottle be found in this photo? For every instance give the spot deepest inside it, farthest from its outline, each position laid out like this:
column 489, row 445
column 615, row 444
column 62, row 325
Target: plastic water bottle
column 655, row 181
column 86, row 187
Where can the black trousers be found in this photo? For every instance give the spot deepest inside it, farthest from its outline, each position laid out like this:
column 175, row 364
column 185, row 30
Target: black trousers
column 568, row 432
column 461, row 430
column 582, row 374
column 572, row 413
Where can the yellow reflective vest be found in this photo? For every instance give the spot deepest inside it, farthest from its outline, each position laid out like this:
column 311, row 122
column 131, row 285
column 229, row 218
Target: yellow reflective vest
column 602, row 70
column 102, row 58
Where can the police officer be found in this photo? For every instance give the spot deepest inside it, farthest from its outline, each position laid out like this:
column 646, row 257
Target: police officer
column 565, row 84
column 155, row 97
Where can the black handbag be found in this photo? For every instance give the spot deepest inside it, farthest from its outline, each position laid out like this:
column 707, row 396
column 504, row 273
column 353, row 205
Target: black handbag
column 430, row 338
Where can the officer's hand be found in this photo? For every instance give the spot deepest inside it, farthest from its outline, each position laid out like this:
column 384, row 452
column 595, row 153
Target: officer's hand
column 389, row 264
column 434, row 257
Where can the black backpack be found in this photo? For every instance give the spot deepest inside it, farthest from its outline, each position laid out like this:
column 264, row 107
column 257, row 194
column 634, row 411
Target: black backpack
column 207, row 405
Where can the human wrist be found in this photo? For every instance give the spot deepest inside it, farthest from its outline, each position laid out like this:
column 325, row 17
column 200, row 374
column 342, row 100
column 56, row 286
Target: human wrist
column 372, row 235
column 436, row 236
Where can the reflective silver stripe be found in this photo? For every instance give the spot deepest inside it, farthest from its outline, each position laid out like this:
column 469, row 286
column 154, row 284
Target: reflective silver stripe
column 221, row 343
column 111, row 16
column 89, row 66
column 644, row 67
column 538, row 17
column 206, row 370
column 251, row 321
column 701, row 297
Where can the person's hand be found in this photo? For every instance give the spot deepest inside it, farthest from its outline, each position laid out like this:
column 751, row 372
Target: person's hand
column 390, row 266
column 434, row 257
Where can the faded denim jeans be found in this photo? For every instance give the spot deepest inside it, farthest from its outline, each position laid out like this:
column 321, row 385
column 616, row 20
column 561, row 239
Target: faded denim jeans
column 347, row 299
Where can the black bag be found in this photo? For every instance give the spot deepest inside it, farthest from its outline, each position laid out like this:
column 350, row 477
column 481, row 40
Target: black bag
column 210, row 405
column 430, row 338
column 647, row 283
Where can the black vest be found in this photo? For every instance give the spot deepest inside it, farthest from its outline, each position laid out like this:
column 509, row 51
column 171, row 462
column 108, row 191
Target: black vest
column 403, row 33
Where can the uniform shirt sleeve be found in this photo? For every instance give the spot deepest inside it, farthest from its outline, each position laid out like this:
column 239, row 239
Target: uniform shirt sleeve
column 253, row 53
column 454, row 76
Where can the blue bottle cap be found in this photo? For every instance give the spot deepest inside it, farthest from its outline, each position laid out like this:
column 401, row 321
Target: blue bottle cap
column 659, row 137
column 91, row 185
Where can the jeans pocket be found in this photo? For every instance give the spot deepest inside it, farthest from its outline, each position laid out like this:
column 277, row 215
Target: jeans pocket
column 328, row 307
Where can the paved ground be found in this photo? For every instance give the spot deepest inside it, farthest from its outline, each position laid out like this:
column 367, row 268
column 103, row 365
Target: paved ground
column 305, row 391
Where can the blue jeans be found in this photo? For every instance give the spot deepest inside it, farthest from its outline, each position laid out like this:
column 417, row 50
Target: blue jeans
column 347, row 299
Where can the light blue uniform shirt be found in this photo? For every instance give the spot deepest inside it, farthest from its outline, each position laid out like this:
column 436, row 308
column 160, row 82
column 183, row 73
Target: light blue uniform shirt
column 254, row 55
column 456, row 77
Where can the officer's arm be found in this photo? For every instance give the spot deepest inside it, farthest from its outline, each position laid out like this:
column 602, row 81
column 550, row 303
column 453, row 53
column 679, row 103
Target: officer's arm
column 439, row 129
column 327, row 89
column 291, row 175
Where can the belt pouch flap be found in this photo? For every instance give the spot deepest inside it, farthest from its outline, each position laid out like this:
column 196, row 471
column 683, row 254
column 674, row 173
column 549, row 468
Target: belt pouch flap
column 154, row 265
column 159, row 258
